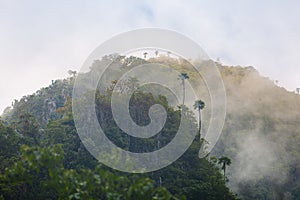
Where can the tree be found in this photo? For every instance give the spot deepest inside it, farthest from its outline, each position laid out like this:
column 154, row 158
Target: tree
column 145, row 55
column 28, row 127
column 298, row 90
column 72, row 73
column 182, row 77
column 199, row 105
column 224, row 161
column 156, row 53
column 39, row 175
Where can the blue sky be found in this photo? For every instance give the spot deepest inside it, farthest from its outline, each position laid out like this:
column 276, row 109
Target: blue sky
column 42, row 40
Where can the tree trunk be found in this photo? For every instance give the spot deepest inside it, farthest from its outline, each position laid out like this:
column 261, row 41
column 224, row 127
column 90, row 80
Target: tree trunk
column 183, row 96
column 225, row 174
column 199, row 126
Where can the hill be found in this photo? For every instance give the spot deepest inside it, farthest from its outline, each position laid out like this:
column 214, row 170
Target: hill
column 261, row 134
column 53, row 163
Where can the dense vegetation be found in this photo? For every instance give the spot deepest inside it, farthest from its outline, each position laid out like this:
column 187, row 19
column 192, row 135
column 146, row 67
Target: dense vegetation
column 261, row 136
column 43, row 158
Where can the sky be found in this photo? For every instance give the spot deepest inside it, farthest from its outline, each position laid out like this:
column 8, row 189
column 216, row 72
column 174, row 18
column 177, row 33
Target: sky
column 41, row 40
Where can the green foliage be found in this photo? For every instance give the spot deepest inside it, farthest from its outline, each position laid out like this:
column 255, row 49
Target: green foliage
column 195, row 178
column 30, row 177
column 62, row 168
column 40, row 174
column 42, row 104
column 9, row 143
column 54, row 164
column 199, row 105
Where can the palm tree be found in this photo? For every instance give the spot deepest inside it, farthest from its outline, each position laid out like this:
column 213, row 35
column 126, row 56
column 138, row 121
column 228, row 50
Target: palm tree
column 145, row 55
column 182, row 77
column 199, row 105
column 72, row 73
column 224, row 161
column 298, row 90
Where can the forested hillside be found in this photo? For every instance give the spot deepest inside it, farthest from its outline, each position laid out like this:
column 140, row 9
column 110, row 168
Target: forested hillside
column 43, row 157
column 41, row 149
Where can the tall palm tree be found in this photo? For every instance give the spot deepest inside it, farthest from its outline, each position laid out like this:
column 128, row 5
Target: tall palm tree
column 199, row 105
column 182, row 77
column 224, row 161
column 145, row 55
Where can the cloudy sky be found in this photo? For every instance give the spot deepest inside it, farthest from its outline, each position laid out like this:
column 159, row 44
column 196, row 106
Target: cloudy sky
column 42, row 40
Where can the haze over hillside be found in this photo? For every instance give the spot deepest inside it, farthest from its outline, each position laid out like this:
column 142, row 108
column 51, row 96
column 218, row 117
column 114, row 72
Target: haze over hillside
column 261, row 133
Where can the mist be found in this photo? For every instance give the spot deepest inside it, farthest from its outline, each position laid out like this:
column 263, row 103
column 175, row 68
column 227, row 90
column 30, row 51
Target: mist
column 261, row 132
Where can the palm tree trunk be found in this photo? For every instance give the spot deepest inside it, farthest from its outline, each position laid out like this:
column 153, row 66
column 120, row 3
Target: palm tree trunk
column 183, row 95
column 225, row 174
column 160, row 181
column 199, row 126
column 129, row 143
column 158, row 142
